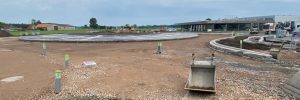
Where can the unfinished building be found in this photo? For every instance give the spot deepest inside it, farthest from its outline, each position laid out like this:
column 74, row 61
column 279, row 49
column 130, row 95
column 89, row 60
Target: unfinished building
column 236, row 24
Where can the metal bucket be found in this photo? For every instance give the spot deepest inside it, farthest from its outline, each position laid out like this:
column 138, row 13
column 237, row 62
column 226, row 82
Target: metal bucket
column 202, row 77
column 274, row 52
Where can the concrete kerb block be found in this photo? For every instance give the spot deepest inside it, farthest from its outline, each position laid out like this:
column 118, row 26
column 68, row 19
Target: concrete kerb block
column 236, row 51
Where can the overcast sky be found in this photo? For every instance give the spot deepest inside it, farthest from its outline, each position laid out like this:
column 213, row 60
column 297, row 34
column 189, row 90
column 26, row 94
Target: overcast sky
column 140, row 12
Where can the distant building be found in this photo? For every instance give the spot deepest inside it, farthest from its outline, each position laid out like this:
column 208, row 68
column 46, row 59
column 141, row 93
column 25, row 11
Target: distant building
column 16, row 26
column 52, row 26
column 238, row 24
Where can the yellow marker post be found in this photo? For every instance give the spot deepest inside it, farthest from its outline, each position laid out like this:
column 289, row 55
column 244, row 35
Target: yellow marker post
column 66, row 59
column 58, row 74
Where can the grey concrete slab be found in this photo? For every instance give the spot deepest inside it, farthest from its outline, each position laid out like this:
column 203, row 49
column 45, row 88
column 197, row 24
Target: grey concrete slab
column 107, row 38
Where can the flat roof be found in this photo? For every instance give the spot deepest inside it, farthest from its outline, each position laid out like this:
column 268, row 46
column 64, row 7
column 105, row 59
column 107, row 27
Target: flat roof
column 259, row 19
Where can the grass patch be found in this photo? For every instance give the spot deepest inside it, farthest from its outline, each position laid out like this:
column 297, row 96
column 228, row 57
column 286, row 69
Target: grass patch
column 20, row 33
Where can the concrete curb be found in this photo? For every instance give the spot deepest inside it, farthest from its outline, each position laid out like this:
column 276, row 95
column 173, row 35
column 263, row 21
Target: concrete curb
column 267, row 58
column 237, row 51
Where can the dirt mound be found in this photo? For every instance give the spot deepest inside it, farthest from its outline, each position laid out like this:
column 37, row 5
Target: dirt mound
column 235, row 42
column 4, row 33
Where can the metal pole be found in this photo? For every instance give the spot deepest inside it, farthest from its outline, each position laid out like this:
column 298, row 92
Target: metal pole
column 57, row 81
column 159, row 48
column 212, row 59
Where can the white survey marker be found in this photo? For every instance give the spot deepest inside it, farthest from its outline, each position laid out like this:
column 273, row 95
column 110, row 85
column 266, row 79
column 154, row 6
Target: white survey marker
column 89, row 64
column 12, row 79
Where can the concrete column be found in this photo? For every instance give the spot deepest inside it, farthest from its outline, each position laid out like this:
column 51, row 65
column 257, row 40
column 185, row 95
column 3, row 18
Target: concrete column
column 226, row 27
column 213, row 27
column 201, row 28
column 181, row 28
column 192, row 28
column 251, row 24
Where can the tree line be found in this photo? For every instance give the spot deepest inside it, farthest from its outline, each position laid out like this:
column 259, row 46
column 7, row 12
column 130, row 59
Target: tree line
column 94, row 25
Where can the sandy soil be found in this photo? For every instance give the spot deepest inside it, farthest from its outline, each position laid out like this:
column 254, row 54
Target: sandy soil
column 132, row 71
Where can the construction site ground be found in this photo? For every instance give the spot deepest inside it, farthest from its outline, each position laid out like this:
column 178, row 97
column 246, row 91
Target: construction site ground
column 132, row 70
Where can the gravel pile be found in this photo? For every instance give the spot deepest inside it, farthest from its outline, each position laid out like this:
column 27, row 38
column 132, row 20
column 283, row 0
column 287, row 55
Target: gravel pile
column 254, row 82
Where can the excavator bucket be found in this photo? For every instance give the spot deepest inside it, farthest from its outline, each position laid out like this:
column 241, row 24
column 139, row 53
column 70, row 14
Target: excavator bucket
column 274, row 52
column 293, row 86
column 202, row 77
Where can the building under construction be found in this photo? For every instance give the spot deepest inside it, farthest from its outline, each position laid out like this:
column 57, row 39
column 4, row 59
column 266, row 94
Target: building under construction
column 238, row 24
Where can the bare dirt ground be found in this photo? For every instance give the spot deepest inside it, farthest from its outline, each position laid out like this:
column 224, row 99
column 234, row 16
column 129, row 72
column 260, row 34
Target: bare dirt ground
column 4, row 33
column 132, row 71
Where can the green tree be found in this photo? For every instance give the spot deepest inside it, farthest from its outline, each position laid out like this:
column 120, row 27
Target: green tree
column 2, row 25
column 85, row 26
column 38, row 22
column 127, row 25
column 93, row 23
column 134, row 26
column 33, row 21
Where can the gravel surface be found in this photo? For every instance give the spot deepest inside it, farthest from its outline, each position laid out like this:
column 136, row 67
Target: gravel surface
column 134, row 71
